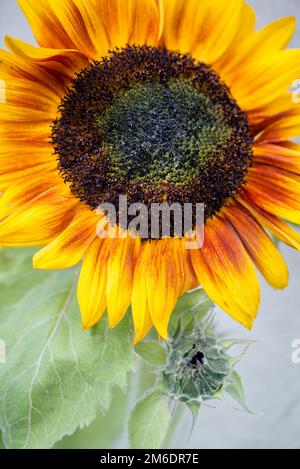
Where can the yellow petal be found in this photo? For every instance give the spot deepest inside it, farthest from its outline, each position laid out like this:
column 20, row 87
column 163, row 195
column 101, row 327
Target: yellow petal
column 247, row 24
column 245, row 29
column 221, row 24
column 67, row 13
column 70, row 246
column 21, row 163
column 129, row 22
column 27, row 100
column 12, row 172
column 275, row 190
column 120, row 277
column 274, row 37
column 36, row 54
column 10, row 113
column 265, row 79
column 14, row 67
column 93, row 27
column 205, row 29
column 92, row 282
column 189, row 277
column 164, row 282
column 37, row 223
column 285, row 126
column 47, row 29
column 139, row 304
column 47, row 72
column 182, row 25
column 226, row 272
column 31, row 95
column 277, row 227
column 284, row 156
column 259, row 246
column 31, row 190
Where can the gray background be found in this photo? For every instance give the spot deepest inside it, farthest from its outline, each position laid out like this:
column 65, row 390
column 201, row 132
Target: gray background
column 271, row 380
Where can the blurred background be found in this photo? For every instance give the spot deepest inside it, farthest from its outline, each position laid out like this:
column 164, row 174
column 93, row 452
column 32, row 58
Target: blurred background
column 271, row 379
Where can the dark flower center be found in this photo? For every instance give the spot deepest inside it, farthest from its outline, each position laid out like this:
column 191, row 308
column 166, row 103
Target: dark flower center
column 153, row 125
column 197, row 361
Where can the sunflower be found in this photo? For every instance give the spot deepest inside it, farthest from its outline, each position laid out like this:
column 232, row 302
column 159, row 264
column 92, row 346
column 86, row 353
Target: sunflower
column 178, row 101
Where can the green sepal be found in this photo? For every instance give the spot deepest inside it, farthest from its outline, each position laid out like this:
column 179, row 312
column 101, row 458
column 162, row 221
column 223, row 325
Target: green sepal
column 153, row 352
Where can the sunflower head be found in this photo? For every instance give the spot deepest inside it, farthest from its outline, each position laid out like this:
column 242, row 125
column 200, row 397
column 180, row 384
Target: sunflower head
column 154, row 125
column 170, row 101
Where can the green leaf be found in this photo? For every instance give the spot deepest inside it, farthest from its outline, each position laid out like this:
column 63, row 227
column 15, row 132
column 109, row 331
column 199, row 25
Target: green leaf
column 106, row 429
column 194, row 301
column 149, row 421
column 229, row 343
column 57, row 376
column 152, row 352
column 191, row 308
column 194, row 409
column 234, row 387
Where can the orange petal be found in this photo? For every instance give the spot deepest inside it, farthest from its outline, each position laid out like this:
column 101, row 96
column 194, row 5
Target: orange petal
column 67, row 14
column 274, row 37
column 275, row 190
column 246, row 28
column 117, row 23
column 182, row 25
column 44, row 62
column 189, row 277
column 24, row 195
column 39, row 221
column 164, row 282
column 12, row 172
column 259, row 245
column 204, row 29
column 226, row 272
column 120, row 277
column 277, row 227
column 281, row 156
column 48, row 30
column 92, row 282
column 26, row 109
column 261, row 116
column 93, row 28
column 19, row 163
column 28, row 101
column 139, row 304
column 70, row 246
column 285, row 126
column 31, row 95
column 265, row 79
